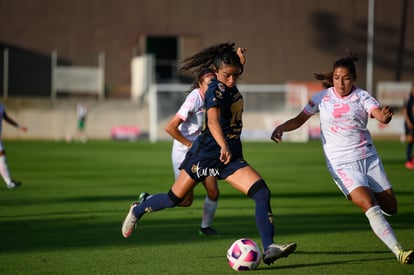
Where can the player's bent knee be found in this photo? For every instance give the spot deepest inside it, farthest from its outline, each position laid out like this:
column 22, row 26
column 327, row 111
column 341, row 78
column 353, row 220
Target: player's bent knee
column 258, row 186
column 174, row 199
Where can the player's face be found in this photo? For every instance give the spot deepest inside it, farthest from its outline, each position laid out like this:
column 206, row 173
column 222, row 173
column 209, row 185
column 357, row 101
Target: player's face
column 228, row 74
column 205, row 81
column 342, row 81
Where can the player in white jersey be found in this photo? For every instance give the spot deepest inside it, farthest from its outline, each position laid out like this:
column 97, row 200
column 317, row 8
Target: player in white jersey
column 350, row 154
column 184, row 127
column 4, row 170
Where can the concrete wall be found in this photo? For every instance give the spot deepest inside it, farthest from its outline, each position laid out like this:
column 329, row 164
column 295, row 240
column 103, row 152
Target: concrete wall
column 57, row 120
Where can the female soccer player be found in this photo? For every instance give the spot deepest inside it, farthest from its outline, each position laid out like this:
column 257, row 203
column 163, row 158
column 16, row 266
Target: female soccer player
column 351, row 156
column 217, row 151
column 184, row 127
column 409, row 129
column 4, row 170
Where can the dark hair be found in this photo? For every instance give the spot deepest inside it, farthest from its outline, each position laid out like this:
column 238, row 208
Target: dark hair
column 217, row 56
column 346, row 62
column 201, row 74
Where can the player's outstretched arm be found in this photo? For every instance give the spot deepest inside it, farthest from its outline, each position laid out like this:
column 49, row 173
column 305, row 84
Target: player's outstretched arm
column 289, row 125
column 14, row 123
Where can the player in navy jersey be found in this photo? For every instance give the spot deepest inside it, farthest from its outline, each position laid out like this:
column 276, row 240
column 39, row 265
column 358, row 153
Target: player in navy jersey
column 217, row 151
column 409, row 129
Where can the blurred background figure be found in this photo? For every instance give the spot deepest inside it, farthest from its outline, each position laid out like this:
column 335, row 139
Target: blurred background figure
column 82, row 113
column 4, row 170
column 409, row 129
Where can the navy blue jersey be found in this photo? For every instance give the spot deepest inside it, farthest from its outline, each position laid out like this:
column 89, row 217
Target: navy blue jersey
column 410, row 108
column 230, row 102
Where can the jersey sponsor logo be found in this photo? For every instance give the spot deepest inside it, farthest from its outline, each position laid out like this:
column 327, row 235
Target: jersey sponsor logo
column 204, row 172
column 221, row 87
column 340, row 109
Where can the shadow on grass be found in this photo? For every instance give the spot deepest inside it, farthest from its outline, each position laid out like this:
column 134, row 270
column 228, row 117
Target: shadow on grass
column 84, row 226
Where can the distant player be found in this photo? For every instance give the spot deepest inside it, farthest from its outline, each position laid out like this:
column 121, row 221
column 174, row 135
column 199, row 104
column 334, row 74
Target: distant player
column 351, row 157
column 82, row 113
column 409, row 129
column 4, row 170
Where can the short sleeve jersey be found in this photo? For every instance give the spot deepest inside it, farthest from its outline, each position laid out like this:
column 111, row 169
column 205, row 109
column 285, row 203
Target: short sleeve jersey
column 343, row 122
column 192, row 114
column 230, row 102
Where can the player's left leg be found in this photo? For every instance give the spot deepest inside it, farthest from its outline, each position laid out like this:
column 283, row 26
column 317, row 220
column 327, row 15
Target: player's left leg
column 363, row 198
column 247, row 180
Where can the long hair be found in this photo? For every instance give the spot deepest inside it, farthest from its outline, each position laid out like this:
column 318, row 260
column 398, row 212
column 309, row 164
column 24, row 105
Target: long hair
column 346, row 62
column 203, row 73
column 215, row 56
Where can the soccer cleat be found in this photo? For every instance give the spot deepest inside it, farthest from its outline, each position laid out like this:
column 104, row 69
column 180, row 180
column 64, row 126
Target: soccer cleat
column 14, row 184
column 405, row 257
column 275, row 251
column 130, row 221
column 409, row 165
column 208, row 231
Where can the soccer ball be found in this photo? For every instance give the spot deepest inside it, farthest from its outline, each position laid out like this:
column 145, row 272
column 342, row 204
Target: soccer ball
column 244, row 254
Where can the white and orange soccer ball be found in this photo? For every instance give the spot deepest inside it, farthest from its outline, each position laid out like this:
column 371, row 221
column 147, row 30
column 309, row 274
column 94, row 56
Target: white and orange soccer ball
column 244, row 254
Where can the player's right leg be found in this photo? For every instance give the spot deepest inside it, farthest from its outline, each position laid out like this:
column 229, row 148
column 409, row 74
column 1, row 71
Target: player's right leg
column 157, row 202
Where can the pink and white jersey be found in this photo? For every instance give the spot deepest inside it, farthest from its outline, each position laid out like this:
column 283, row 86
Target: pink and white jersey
column 344, row 134
column 192, row 114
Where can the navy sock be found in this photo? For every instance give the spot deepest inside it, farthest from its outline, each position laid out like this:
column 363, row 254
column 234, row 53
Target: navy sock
column 154, row 203
column 408, row 151
column 264, row 216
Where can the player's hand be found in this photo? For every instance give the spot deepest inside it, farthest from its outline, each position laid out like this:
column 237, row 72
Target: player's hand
column 277, row 135
column 241, row 53
column 386, row 114
column 225, row 155
column 23, row 128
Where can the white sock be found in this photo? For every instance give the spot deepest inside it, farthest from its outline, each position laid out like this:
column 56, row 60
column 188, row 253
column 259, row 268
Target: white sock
column 4, row 170
column 209, row 211
column 382, row 229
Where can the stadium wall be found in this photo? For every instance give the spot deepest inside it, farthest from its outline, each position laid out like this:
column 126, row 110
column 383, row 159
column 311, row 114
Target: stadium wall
column 47, row 120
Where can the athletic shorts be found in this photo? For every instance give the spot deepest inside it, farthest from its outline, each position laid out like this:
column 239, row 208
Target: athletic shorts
column 177, row 156
column 367, row 172
column 199, row 168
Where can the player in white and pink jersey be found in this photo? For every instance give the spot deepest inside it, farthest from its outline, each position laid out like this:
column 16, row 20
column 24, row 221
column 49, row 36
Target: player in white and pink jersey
column 351, row 157
column 184, row 127
column 4, row 170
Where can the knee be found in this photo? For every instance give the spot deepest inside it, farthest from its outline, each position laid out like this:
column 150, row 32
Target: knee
column 261, row 186
column 213, row 194
column 389, row 210
column 187, row 202
column 174, row 199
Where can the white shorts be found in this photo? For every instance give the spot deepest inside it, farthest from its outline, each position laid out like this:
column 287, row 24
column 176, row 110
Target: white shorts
column 177, row 157
column 367, row 172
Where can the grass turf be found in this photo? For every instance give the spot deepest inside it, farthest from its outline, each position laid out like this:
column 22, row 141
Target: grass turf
column 66, row 218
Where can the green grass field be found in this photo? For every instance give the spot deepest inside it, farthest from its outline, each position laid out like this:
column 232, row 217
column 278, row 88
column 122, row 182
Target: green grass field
column 66, row 218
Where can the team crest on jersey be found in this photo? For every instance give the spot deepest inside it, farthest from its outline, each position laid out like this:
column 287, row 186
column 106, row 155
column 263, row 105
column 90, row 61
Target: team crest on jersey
column 221, row 87
column 219, row 94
